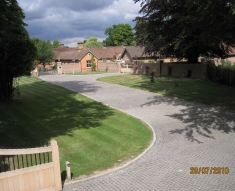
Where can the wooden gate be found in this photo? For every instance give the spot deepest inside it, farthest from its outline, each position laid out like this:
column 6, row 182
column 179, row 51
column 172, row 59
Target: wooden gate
column 40, row 177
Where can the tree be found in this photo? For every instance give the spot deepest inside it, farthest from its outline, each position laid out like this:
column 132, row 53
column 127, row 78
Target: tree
column 119, row 34
column 108, row 32
column 35, row 40
column 44, row 51
column 93, row 64
column 55, row 43
column 187, row 28
column 93, row 42
column 17, row 52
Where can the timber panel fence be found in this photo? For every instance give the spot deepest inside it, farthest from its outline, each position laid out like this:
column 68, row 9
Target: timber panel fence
column 33, row 169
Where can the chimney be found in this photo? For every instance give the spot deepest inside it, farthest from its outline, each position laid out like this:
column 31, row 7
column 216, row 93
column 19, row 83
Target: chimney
column 61, row 46
column 80, row 46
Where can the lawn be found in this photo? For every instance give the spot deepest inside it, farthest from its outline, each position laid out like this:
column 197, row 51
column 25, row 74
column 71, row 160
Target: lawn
column 196, row 90
column 91, row 136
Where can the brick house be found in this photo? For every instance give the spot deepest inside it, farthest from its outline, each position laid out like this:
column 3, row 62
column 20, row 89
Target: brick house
column 132, row 53
column 79, row 59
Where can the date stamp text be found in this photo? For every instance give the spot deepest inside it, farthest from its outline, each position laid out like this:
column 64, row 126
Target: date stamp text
column 209, row 170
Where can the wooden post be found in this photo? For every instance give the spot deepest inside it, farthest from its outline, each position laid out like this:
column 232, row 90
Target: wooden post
column 56, row 162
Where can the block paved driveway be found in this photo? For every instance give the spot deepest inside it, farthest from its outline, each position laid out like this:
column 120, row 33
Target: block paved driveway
column 187, row 135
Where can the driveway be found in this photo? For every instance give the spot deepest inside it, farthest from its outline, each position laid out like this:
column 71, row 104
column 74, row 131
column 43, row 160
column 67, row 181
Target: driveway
column 187, row 135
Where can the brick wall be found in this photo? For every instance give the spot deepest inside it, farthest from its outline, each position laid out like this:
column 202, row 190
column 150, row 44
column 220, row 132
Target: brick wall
column 177, row 69
column 113, row 66
column 68, row 68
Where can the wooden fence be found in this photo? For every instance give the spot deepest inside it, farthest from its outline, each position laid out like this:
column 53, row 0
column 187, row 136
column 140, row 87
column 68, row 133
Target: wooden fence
column 42, row 177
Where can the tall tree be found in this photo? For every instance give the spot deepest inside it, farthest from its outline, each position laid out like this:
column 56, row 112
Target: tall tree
column 119, row 34
column 187, row 28
column 17, row 52
column 44, row 50
column 55, row 43
column 93, row 42
column 108, row 32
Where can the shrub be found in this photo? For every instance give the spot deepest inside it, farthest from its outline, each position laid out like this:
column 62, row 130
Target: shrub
column 223, row 74
column 93, row 67
column 55, row 67
column 147, row 69
column 106, row 68
column 152, row 76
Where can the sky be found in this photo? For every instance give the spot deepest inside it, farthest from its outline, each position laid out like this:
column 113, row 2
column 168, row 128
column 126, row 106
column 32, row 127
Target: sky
column 73, row 21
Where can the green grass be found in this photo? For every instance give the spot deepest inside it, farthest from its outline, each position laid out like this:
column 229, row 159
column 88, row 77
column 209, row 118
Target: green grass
column 196, row 90
column 91, row 136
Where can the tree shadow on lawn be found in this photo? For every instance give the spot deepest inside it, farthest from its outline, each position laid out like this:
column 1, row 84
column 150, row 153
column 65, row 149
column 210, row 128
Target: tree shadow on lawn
column 45, row 111
column 199, row 119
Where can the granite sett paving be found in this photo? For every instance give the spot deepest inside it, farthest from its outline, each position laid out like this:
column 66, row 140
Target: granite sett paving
column 187, row 135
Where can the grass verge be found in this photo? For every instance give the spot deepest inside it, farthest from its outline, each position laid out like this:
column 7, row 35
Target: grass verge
column 91, row 136
column 196, row 90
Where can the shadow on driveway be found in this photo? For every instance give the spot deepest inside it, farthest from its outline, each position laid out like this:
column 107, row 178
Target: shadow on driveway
column 199, row 119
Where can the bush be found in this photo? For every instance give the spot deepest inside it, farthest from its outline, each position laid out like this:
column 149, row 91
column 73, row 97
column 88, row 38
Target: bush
column 93, row 67
column 223, row 74
column 151, row 61
column 147, row 70
column 106, row 68
column 55, row 67
column 152, row 76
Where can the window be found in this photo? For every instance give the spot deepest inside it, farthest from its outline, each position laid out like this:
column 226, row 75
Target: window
column 104, row 59
column 88, row 64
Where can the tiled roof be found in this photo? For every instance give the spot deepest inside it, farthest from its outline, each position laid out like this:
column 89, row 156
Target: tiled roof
column 65, row 53
column 100, row 52
column 107, row 52
column 70, row 53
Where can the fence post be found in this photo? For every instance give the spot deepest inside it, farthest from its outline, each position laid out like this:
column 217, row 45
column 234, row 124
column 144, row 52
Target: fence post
column 56, row 162
column 68, row 171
